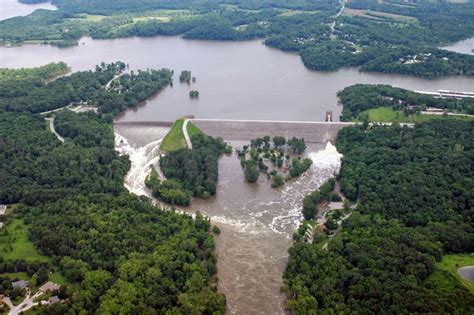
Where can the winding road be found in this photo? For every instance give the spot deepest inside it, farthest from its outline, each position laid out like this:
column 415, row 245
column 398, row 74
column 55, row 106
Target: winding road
column 333, row 24
column 53, row 130
column 186, row 135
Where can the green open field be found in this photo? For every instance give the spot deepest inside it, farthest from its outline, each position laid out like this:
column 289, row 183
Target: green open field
column 386, row 114
column 15, row 244
column 379, row 15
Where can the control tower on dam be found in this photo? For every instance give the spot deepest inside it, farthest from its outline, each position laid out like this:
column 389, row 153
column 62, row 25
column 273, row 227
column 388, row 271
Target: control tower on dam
column 246, row 130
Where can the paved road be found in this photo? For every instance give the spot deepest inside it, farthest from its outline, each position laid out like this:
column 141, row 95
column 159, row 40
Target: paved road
column 186, row 135
column 107, row 86
column 27, row 303
column 53, row 130
column 333, row 24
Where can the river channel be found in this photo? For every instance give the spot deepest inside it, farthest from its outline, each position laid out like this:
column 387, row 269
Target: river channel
column 237, row 80
column 256, row 221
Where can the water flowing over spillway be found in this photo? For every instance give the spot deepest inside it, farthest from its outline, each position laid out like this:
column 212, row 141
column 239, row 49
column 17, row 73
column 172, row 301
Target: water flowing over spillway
column 256, row 221
column 141, row 158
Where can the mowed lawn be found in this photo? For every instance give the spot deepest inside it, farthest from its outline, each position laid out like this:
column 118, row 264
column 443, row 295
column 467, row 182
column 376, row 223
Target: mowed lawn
column 15, row 244
column 175, row 140
column 387, row 114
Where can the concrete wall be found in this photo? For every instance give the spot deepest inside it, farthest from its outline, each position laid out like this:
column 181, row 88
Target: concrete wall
column 145, row 123
column 245, row 130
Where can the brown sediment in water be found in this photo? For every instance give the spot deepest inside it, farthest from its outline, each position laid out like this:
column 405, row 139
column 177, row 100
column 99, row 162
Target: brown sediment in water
column 256, row 221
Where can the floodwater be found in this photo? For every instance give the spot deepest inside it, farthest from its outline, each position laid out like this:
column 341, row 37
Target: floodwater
column 467, row 273
column 12, row 8
column 256, row 221
column 236, row 80
column 463, row 47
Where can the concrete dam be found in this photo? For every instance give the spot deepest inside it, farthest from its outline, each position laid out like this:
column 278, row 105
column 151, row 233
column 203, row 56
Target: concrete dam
column 246, row 130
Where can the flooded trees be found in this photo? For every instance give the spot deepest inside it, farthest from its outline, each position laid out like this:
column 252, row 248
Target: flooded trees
column 194, row 94
column 250, row 171
column 260, row 152
column 185, row 76
column 296, row 145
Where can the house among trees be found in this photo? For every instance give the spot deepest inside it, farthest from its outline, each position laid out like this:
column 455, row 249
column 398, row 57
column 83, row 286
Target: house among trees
column 52, row 300
column 434, row 110
column 49, row 286
column 3, row 209
column 23, row 284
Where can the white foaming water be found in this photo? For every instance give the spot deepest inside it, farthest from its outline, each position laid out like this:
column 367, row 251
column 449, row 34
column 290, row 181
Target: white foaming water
column 141, row 158
column 326, row 164
column 327, row 158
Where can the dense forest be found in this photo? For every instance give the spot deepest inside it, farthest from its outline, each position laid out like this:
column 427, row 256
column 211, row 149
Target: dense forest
column 414, row 190
column 146, row 259
column 382, row 37
column 22, row 93
column 189, row 172
column 361, row 97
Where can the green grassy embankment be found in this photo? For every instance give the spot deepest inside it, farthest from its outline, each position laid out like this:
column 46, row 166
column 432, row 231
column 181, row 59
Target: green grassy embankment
column 175, row 140
column 447, row 271
column 386, row 114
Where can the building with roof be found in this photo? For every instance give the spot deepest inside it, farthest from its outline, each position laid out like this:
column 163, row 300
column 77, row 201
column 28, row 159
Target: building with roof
column 23, row 284
column 49, row 286
column 52, row 300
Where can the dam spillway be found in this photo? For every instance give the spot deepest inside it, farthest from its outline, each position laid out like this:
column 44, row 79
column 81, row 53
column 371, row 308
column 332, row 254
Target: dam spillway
column 245, row 130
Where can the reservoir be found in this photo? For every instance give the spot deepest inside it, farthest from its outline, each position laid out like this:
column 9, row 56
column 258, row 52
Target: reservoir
column 236, row 80
column 11, row 8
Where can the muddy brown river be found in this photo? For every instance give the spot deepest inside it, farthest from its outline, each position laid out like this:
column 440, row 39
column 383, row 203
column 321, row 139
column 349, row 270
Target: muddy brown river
column 256, row 221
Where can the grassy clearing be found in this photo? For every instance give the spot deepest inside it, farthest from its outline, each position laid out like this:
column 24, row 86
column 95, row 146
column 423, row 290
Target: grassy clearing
column 15, row 244
column 174, row 140
column 451, row 263
column 382, row 15
column 15, row 275
column 163, row 19
column 88, row 17
column 295, row 12
column 386, row 114
column 193, row 130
